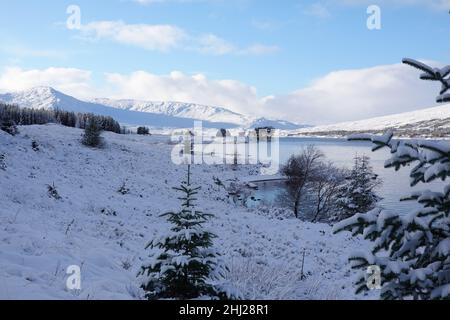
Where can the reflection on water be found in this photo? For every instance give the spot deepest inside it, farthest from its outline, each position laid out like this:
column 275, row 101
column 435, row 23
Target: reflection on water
column 341, row 152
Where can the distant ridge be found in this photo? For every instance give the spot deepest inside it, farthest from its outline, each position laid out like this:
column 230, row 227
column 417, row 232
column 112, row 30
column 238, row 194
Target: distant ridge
column 136, row 112
column 429, row 121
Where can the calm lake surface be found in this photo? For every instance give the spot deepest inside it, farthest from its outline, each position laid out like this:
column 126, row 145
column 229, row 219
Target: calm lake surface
column 396, row 184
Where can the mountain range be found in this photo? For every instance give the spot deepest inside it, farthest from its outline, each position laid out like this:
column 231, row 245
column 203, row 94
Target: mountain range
column 148, row 113
column 434, row 121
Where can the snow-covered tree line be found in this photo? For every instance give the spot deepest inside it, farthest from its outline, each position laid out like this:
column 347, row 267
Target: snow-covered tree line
column 29, row 116
column 412, row 250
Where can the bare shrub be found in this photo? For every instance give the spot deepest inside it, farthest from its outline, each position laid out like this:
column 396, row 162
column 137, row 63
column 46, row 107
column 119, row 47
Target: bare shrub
column 298, row 171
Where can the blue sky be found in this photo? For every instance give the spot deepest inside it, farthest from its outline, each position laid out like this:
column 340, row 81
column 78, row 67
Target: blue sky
column 251, row 56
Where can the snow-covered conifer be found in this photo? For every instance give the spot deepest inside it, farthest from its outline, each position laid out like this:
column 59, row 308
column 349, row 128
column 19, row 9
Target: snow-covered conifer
column 413, row 250
column 92, row 134
column 185, row 265
column 441, row 75
column 358, row 193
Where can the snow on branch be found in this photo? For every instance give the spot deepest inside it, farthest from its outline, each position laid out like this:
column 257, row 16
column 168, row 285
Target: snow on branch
column 433, row 74
column 412, row 250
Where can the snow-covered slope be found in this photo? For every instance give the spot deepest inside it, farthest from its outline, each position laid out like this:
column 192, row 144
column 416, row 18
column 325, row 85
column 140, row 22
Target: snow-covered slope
column 277, row 124
column 49, row 98
column 105, row 232
column 179, row 109
column 39, row 98
column 134, row 112
column 430, row 118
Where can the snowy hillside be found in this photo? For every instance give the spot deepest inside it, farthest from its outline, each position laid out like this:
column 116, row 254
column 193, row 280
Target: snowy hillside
column 278, row 124
column 179, row 109
column 49, row 98
column 104, row 231
column 39, row 98
column 433, row 121
column 133, row 112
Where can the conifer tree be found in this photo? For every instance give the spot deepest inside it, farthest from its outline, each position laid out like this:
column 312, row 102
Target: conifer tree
column 358, row 193
column 186, row 265
column 92, row 134
column 143, row 131
column 412, row 250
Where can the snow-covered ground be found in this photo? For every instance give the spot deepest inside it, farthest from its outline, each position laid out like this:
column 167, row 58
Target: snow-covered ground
column 105, row 232
column 390, row 121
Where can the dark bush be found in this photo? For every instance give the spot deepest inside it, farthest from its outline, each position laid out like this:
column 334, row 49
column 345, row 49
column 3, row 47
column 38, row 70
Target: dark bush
column 9, row 127
column 143, row 131
column 92, row 134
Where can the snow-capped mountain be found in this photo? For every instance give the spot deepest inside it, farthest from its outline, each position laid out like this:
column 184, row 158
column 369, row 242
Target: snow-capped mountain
column 49, row 98
column 38, row 98
column 135, row 112
column 278, row 124
column 430, row 121
column 178, row 109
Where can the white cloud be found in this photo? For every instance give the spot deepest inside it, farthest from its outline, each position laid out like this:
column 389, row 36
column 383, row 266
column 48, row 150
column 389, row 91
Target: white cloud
column 167, row 37
column 212, row 44
column 356, row 94
column 338, row 96
column 178, row 86
column 150, row 37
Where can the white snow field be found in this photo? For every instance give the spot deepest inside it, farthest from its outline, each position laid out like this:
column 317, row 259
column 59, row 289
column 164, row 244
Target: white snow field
column 391, row 121
column 105, row 232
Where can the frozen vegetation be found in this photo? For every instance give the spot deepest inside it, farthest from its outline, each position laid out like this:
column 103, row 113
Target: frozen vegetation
column 66, row 204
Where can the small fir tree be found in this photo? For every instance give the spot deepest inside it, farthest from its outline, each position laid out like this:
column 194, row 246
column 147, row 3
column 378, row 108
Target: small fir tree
column 186, row 265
